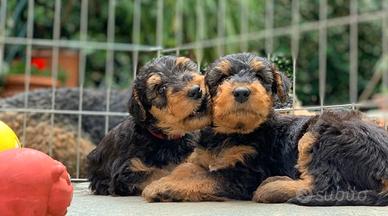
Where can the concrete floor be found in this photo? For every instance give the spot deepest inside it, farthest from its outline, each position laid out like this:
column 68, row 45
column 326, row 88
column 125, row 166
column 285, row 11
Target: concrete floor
column 86, row 204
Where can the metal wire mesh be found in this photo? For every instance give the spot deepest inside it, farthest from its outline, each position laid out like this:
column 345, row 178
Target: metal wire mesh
column 198, row 46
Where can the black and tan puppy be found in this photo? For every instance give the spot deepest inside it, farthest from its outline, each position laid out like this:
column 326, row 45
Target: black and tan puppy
column 239, row 151
column 169, row 100
column 342, row 160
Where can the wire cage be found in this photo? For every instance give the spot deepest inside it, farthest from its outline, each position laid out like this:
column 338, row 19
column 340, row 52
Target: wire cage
column 201, row 30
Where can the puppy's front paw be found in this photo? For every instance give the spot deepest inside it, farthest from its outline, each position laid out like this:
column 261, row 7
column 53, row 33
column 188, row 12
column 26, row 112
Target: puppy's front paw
column 184, row 190
column 276, row 189
column 268, row 194
column 160, row 191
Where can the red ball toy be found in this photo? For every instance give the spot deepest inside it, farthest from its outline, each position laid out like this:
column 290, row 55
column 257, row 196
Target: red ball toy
column 32, row 183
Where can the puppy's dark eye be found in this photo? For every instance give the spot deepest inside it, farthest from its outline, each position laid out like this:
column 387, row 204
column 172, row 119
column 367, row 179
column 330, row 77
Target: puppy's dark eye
column 161, row 89
column 259, row 76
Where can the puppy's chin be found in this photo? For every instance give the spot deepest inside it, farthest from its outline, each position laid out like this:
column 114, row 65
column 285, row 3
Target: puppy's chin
column 190, row 125
column 174, row 123
column 182, row 127
column 232, row 117
column 241, row 121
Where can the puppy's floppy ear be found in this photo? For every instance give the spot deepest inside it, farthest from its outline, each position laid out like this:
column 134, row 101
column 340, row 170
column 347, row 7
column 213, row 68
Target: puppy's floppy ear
column 136, row 108
column 281, row 84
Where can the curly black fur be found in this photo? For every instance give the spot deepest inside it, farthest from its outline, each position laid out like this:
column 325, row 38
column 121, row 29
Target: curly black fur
column 109, row 162
column 275, row 155
column 237, row 180
column 349, row 156
column 111, row 171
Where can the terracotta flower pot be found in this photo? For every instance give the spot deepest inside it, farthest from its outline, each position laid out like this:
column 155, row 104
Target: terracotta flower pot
column 41, row 59
column 16, row 83
column 68, row 61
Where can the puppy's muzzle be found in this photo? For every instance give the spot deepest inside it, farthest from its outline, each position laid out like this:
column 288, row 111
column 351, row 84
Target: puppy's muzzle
column 195, row 92
column 241, row 94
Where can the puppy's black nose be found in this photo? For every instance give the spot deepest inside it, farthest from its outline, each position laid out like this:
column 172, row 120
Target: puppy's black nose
column 241, row 94
column 195, row 92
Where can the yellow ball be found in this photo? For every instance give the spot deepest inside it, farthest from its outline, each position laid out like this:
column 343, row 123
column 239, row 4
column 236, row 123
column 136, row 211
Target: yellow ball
column 8, row 139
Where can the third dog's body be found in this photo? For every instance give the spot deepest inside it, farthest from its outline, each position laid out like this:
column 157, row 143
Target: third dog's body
column 342, row 160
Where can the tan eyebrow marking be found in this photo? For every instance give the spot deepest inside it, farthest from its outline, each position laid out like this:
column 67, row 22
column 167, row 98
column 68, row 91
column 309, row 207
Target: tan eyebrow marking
column 182, row 60
column 256, row 65
column 224, row 66
column 154, row 80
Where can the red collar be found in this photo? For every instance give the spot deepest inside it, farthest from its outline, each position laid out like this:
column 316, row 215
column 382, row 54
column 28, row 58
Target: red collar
column 163, row 136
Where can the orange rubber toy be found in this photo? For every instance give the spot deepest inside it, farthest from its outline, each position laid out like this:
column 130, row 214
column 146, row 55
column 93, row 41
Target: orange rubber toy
column 32, row 183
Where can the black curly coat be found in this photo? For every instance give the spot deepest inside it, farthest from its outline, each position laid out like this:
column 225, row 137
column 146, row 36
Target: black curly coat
column 151, row 141
column 234, row 155
column 348, row 162
column 275, row 154
column 109, row 164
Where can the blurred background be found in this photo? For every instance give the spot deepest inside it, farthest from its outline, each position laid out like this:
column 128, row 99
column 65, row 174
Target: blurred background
column 218, row 26
column 335, row 52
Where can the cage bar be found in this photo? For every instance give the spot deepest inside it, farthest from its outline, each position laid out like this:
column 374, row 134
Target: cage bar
column 136, row 34
column 30, row 35
column 221, row 26
column 269, row 25
column 159, row 26
column 82, row 63
column 353, row 89
column 3, row 17
column 244, row 28
column 109, row 66
column 294, row 46
column 200, row 17
column 54, row 67
column 322, row 51
column 179, row 29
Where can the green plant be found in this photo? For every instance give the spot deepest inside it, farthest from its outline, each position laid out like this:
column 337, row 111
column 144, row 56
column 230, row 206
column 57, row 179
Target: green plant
column 19, row 67
column 2, row 78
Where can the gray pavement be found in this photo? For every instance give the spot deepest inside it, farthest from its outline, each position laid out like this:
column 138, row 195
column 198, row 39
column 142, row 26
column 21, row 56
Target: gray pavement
column 86, row 204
